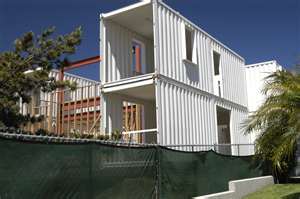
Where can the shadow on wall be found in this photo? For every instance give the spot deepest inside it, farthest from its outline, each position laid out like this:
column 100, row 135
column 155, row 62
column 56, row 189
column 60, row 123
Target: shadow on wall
column 192, row 71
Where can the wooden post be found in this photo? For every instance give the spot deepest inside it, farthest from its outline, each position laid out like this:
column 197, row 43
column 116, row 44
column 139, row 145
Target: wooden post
column 60, row 99
column 32, row 112
column 75, row 111
column 81, row 110
column 131, row 117
column 126, row 116
column 69, row 103
column 95, row 98
column 62, row 102
column 50, row 113
column 88, row 109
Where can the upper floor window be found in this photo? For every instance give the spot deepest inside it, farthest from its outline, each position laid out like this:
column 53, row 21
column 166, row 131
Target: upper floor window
column 189, row 43
column 216, row 57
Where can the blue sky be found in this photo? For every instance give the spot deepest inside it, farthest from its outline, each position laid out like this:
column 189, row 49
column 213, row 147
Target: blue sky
column 259, row 30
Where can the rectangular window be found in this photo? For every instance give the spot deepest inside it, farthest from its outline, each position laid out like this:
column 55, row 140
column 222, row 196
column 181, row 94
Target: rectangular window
column 219, row 88
column 189, row 43
column 216, row 57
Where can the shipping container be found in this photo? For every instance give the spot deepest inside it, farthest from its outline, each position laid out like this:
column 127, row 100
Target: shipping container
column 256, row 75
column 191, row 87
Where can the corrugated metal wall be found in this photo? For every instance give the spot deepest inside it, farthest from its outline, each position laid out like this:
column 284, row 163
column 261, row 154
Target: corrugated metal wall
column 255, row 81
column 185, row 100
column 111, row 113
column 170, row 53
column 233, row 75
column 255, row 74
column 188, row 116
column 116, row 51
column 85, row 87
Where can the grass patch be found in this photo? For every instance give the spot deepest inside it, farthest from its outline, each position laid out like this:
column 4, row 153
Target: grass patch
column 277, row 191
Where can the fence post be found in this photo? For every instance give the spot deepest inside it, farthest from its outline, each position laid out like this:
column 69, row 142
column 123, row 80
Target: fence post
column 215, row 147
column 157, row 162
column 238, row 148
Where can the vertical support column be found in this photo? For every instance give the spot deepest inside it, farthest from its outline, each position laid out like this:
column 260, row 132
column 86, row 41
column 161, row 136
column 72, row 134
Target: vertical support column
column 32, row 114
column 75, row 111
column 126, row 116
column 131, row 117
column 69, row 103
column 62, row 112
column 60, row 99
column 137, row 121
column 81, row 109
column 88, row 109
column 95, row 106
column 50, row 129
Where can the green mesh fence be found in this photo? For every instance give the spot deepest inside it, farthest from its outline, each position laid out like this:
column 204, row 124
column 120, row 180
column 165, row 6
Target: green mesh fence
column 42, row 169
column 83, row 171
column 189, row 174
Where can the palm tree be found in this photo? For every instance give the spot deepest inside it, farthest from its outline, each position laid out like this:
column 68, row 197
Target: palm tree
column 278, row 120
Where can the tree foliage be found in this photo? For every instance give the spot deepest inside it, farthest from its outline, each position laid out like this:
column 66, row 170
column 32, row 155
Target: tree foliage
column 278, row 120
column 26, row 69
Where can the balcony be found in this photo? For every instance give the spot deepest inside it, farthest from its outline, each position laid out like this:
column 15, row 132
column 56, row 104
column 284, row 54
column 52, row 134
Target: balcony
column 127, row 43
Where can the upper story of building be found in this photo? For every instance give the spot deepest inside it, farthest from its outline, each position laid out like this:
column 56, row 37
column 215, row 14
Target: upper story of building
column 256, row 75
column 150, row 37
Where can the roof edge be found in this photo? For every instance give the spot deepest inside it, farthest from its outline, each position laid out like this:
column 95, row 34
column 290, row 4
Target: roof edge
column 125, row 9
column 201, row 30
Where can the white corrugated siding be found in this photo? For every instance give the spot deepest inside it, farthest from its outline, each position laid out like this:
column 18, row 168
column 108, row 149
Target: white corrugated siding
column 186, row 106
column 186, row 117
column 111, row 113
column 170, row 53
column 116, row 51
column 86, row 88
column 233, row 75
column 256, row 73
column 189, row 117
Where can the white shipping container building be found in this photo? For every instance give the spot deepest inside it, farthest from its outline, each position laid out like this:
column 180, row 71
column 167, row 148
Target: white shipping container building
column 192, row 88
column 256, row 78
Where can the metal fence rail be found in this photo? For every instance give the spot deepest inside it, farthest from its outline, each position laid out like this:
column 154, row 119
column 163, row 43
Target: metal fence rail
column 226, row 149
column 242, row 149
column 80, row 168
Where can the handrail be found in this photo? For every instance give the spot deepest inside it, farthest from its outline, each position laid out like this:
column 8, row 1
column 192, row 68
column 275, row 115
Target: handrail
column 208, row 145
column 139, row 131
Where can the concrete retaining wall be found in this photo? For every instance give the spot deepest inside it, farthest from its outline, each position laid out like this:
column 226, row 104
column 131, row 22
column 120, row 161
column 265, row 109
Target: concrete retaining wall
column 240, row 188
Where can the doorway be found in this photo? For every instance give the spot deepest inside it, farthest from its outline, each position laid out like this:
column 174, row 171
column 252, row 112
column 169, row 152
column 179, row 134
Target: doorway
column 223, row 127
column 138, row 58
